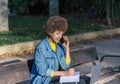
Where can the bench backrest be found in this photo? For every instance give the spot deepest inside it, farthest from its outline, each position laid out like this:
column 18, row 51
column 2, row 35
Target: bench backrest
column 15, row 72
column 84, row 55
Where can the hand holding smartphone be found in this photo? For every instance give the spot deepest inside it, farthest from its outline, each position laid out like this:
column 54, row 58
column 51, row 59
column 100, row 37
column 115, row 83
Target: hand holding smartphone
column 63, row 40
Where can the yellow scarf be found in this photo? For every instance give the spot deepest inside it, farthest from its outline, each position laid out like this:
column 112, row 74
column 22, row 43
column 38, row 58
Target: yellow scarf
column 53, row 46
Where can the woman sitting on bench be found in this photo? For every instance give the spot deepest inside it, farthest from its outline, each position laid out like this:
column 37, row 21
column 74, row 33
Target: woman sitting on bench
column 52, row 55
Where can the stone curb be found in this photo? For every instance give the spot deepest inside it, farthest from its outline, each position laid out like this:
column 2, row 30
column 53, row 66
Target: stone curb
column 29, row 46
column 94, row 35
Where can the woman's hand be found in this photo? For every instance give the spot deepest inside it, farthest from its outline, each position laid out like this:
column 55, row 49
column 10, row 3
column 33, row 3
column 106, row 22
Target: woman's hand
column 66, row 42
column 70, row 71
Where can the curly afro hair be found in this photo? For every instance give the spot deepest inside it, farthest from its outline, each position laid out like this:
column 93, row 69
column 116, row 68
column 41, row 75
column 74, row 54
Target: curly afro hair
column 55, row 23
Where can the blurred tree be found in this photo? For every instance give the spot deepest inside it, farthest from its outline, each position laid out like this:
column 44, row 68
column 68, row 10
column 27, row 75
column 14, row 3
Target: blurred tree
column 38, row 6
column 109, row 9
column 18, row 6
column 22, row 7
column 53, row 8
column 3, row 15
column 77, row 7
column 73, row 6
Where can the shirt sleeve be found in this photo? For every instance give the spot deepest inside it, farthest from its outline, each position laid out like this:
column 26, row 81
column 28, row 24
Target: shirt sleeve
column 68, row 61
column 52, row 75
column 41, row 66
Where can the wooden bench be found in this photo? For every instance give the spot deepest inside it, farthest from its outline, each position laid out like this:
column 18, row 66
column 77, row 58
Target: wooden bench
column 19, row 72
column 15, row 72
column 84, row 55
column 112, row 73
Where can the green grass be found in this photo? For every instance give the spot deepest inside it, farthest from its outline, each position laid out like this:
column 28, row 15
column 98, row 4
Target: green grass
column 23, row 29
column 29, row 28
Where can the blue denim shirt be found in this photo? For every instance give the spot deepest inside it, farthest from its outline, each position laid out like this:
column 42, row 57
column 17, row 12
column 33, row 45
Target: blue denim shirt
column 45, row 61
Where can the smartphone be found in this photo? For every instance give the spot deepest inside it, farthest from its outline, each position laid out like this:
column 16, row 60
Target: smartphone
column 62, row 40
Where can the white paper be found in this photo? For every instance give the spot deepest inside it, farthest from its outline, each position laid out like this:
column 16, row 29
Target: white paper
column 73, row 78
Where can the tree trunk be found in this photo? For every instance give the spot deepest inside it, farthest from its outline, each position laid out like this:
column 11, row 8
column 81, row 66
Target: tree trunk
column 53, row 8
column 108, row 18
column 3, row 15
column 108, row 13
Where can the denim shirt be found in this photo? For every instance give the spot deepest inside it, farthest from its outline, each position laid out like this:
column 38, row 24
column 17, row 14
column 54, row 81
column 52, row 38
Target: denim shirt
column 45, row 61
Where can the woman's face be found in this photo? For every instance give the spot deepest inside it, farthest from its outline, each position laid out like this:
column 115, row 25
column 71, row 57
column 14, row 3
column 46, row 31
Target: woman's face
column 56, row 36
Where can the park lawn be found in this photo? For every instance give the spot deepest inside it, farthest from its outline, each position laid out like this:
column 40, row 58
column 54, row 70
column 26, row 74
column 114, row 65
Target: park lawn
column 29, row 28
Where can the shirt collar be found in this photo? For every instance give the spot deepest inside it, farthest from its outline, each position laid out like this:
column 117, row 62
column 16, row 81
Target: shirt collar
column 48, row 47
column 48, row 44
